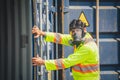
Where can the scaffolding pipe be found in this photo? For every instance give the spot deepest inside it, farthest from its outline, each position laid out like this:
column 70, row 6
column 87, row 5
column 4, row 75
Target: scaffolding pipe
column 36, row 43
column 47, row 27
column 40, row 4
column 47, row 44
column 97, row 22
column 62, row 23
column 97, row 26
column 41, row 38
column 56, row 30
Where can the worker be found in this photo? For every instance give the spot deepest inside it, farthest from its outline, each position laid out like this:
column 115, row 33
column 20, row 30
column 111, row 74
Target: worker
column 84, row 61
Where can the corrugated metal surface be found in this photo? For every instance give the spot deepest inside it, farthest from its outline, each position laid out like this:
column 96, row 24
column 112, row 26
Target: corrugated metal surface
column 15, row 40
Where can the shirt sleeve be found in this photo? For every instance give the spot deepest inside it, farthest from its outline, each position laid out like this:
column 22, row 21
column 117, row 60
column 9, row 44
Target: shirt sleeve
column 58, row 38
column 78, row 57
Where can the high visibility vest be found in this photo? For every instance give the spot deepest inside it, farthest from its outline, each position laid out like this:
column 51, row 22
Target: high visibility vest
column 84, row 61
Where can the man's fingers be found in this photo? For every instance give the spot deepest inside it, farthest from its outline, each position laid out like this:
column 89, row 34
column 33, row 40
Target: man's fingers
column 37, row 56
column 34, row 26
column 36, row 36
column 32, row 31
column 34, row 64
column 34, row 59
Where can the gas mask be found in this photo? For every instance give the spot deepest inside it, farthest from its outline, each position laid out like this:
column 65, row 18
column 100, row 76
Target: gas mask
column 76, row 31
column 77, row 35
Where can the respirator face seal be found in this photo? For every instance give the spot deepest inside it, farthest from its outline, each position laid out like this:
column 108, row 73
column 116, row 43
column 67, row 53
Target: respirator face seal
column 77, row 30
column 77, row 35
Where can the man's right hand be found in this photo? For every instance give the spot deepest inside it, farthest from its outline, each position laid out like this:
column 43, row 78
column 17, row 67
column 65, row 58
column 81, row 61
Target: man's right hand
column 37, row 32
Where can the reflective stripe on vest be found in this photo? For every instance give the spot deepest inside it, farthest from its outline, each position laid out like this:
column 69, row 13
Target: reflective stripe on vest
column 85, row 68
column 57, row 38
column 59, row 64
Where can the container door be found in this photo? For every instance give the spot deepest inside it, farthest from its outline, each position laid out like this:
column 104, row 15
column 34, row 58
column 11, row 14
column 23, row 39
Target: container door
column 109, row 30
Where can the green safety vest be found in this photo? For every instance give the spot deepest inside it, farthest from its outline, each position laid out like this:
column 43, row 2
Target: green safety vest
column 84, row 61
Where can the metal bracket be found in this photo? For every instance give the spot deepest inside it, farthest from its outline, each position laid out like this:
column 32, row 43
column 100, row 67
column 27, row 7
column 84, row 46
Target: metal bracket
column 54, row 10
column 23, row 41
column 66, row 9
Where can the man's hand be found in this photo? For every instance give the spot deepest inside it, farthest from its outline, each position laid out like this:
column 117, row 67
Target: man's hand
column 37, row 32
column 37, row 61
